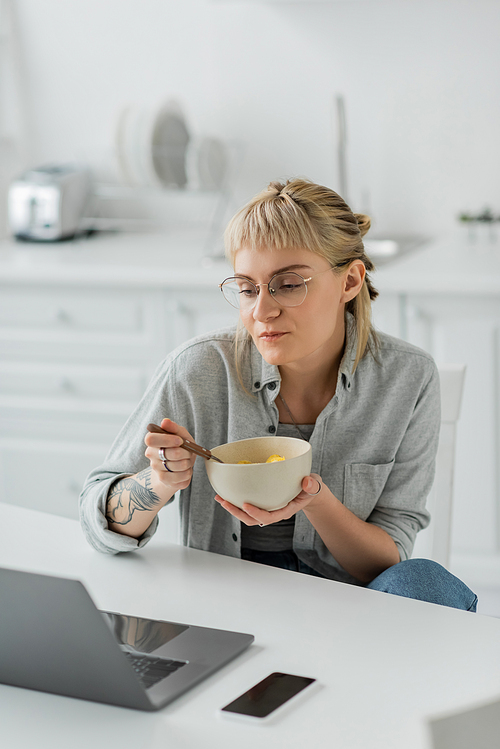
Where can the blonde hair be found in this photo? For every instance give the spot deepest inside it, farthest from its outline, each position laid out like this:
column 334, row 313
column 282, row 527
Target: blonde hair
column 301, row 214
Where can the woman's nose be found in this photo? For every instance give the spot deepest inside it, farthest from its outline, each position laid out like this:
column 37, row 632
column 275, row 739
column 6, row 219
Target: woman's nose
column 265, row 306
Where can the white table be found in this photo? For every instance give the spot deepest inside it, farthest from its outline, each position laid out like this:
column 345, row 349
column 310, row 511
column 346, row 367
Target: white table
column 384, row 663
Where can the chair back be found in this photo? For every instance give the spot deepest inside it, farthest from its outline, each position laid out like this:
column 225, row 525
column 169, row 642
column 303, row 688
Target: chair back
column 434, row 542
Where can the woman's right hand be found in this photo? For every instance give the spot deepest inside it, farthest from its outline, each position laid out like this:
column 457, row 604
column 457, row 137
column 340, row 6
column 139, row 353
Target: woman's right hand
column 178, row 471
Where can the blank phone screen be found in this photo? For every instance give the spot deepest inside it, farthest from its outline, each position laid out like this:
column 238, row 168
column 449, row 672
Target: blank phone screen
column 268, row 694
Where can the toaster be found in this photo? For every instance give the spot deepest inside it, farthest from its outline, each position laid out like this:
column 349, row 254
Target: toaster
column 47, row 204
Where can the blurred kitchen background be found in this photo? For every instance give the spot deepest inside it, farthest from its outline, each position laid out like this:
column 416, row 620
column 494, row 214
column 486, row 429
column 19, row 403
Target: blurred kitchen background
column 159, row 119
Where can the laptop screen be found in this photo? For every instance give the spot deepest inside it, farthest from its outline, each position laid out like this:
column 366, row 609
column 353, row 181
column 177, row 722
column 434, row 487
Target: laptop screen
column 143, row 635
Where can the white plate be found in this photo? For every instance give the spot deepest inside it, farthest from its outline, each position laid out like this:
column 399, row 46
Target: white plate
column 169, row 143
column 151, row 146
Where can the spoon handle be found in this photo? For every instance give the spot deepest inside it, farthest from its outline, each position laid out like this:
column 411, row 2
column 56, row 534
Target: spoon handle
column 187, row 444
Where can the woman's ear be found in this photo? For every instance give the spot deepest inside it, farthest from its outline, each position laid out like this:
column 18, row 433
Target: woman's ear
column 354, row 279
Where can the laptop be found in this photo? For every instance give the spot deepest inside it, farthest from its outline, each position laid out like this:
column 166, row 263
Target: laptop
column 477, row 727
column 54, row 639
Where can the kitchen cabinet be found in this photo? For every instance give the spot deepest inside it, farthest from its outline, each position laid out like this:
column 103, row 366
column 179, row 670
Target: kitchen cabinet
column 83, row 326
column 445, row 298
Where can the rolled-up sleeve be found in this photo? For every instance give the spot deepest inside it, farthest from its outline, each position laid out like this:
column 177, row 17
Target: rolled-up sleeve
column 93, row 516
column 125, row 458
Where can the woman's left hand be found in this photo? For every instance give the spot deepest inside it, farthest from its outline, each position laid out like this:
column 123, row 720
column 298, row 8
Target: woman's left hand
column 251, row 515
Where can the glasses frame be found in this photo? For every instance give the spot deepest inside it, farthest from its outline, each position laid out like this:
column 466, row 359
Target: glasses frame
column 271, row 291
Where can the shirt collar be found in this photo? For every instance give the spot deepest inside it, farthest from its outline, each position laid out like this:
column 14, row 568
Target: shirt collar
column 263, row 373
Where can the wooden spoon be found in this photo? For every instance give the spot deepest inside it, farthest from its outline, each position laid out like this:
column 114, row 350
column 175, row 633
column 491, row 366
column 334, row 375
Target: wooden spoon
column 187, row 444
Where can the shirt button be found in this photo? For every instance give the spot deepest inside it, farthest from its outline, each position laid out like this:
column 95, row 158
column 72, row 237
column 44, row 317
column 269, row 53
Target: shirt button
column 256, row 384
column 271, row 386
column 271, row 429
column 235, row 537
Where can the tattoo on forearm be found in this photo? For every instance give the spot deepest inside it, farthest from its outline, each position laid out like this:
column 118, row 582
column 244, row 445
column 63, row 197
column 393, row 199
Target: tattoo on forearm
column 130, row 494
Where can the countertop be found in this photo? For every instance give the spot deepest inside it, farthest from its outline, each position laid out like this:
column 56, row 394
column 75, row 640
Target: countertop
column 123, row 259
column 448, row 266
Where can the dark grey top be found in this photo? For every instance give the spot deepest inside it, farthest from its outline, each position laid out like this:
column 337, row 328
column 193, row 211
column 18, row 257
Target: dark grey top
column 374, row 444
column 277, row 536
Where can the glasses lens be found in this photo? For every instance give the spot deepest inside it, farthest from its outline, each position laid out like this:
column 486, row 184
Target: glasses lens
column 239, row 292
column 289, row 289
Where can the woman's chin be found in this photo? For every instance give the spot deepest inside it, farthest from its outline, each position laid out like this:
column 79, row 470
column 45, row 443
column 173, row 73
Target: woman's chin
column 277, row 353
column 269, row 356
column 276, row 358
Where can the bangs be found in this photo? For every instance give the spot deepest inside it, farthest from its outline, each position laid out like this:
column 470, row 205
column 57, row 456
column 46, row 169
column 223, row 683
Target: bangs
column 275, row 223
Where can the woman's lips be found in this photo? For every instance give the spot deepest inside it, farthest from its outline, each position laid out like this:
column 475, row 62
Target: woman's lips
column 270, row 336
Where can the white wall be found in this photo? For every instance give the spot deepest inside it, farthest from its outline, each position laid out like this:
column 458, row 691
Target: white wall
column 420, row 79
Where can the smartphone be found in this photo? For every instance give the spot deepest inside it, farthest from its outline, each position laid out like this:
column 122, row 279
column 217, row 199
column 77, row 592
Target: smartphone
column 268, row 695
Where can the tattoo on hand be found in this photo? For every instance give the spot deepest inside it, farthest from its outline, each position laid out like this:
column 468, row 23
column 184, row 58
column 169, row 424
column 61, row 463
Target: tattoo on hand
column 129, row 495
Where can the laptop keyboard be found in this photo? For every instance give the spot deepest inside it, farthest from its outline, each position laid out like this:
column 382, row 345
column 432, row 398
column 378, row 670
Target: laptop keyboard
column 151, row 670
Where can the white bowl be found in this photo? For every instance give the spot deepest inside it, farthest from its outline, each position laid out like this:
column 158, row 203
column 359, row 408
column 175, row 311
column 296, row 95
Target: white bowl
column 269, row 486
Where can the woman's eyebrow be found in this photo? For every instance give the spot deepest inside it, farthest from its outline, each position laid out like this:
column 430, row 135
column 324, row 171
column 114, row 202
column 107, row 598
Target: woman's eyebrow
column 279, row 270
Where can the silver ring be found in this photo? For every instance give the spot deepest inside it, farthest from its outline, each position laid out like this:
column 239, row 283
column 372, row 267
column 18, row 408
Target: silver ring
column 161, row 453
column 320, row 486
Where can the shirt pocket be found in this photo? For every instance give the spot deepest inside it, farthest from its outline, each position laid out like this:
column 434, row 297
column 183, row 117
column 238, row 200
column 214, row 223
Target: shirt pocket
column 363, row 485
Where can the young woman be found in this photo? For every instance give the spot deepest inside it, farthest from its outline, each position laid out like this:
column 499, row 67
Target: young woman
column 304, row 362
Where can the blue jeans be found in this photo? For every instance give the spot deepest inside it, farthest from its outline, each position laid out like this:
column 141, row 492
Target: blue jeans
column 421, row 579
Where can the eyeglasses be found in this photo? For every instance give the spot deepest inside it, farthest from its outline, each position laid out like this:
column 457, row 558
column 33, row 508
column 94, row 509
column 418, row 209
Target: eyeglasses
column 289, row 289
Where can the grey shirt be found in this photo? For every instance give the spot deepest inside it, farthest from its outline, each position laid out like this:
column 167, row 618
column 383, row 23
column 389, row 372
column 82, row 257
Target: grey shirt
column 374, row 444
